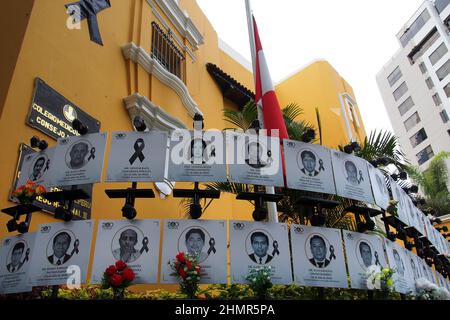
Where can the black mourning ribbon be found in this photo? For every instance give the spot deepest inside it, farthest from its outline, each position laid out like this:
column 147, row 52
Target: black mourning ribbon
column 212, row 243
column 92, row 155
column 144, row 245
column 360, row 176
column 377, row 261
column 75, row 248
column 47, row 165
column 321, row 167
column 213, row 152
column 332, row 255
column 139, row 146
column 275, row 249
column 27, row 254
column 89, row 9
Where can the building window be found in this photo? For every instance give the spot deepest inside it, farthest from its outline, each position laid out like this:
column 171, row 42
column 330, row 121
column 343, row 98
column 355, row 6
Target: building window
column 438, row 54
column 447, row 90
column 166, row 52
column 415, row 27
column 429, row 83
column 444, row 116
column 422, row 67
column 441, row 5
column 406, row 106
column 437, row 100
column 412, row 121
column 443, row 71
column 394, row 76
column 400, row 91
column 418, row 138
column 423, row 46
column 425, row 155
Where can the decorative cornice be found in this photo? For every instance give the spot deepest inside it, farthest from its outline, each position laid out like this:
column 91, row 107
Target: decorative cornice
column 138, row 55
column 181, row 21
column 154, row 116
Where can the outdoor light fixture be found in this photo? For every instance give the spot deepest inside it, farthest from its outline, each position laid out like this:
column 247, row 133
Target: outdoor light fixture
column 198, row 122
column 139, row 124
column 308, row 136
column 80, row 127
column 35, row 142
column 63, row 214
column 402, row 176
column 412, row 189
column 318, row 219
column 352, row 147
column 12, row 225
column 444, row 228
column 195, row 210
column 23, row 227
column 128, row 211
column 380, row 162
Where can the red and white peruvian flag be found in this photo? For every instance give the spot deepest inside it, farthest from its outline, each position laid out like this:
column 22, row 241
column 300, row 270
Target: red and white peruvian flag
column 265, row 95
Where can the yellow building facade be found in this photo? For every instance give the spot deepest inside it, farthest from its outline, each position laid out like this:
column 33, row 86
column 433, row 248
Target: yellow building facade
column 125, row 77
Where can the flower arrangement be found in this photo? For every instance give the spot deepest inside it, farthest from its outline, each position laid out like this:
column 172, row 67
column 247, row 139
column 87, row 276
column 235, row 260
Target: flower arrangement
column 118, row 277
column 260, row 280
column 427, row 290
column 380, row 279
column 187, row 269
column 28, row 192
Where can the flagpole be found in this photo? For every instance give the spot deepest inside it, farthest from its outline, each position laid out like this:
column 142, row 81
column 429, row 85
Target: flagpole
column 271, row 206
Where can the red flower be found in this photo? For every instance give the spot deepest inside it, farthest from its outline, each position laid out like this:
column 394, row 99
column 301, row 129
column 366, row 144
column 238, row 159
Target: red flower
column 128, row 274
column 111, row 270
column 120, row 265
column 189, row 265
column 115, row 280
column 197, row 268
column 40, row 189
column 182, row 274
column 180, row 257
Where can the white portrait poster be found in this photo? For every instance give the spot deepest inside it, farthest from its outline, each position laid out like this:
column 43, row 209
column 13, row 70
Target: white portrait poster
column 136, row 242
column 413, row 215
column 254, row 159
column 362, row 251
column 351, row 176
column 379, row 188
column 441, row 281
column 78, row 160
column 197, row 156
column 15, row 258
column 137, row 156
column 36, row 167
column 258, row 244
column 398, row 261
column 60, row 250
column 400, row 196
column 206, row 239
column 426, row 271
column 318, row 257
column 309, row 167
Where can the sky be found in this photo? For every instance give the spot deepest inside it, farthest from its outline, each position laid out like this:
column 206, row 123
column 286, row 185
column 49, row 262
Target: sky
column 357, row 37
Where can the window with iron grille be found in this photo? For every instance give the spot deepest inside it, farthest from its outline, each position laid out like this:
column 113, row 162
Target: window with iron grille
column 425, row 155
column 400, row 91
column 444, row 116
column 166, row 52
column 406, row 106
column 412, row 121
column 437, row 100
column 418, row 138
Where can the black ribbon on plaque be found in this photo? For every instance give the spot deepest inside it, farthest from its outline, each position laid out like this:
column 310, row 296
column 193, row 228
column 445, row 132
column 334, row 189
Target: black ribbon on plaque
column 75, row 248
column 360, row 176
column 212, row 243
column 321, row 167
column 27, row 256
column 275, row 248
column 377, row 260
column 92, row 155
column 47, row 165
column 332, row 255
column 89, row 9
column 144, row 245
column 139, row 146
